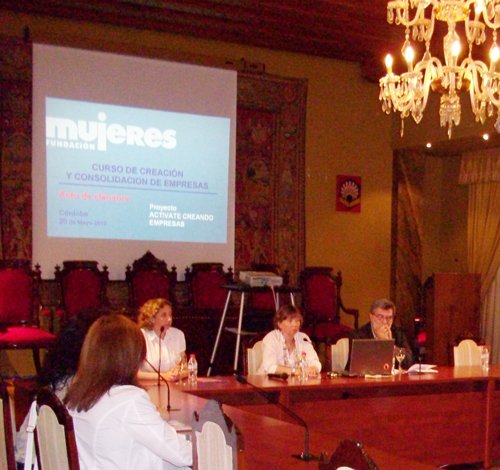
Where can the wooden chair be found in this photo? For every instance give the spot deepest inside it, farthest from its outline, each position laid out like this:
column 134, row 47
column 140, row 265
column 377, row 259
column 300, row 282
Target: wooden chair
column 83, row 287
column 204, row 281
column 20, row 308
column 350, row 454
column 7, row 430
column 339, row 353
column 149, row 278
column 467, row 353
column 216, row 441
column 252, row 355
column 54, row 434
column 323, row 305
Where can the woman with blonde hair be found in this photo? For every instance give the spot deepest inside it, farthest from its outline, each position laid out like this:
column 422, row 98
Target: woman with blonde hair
column 165, row 344
column 117, row 426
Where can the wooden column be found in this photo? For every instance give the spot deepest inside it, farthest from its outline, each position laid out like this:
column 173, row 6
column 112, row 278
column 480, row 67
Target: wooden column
column 451, row 307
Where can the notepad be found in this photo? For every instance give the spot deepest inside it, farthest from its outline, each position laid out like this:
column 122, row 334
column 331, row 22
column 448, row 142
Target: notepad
column 423, row 369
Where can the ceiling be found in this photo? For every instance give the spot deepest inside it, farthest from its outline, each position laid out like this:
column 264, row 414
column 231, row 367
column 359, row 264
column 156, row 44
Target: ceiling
column 352, row 30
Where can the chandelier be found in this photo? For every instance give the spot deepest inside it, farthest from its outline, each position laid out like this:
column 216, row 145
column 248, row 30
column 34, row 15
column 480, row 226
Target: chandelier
column 408, row 93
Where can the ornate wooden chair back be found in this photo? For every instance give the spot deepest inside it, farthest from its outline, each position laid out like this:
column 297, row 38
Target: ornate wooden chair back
column 54, row 434
column 83, row 286
column 7, row 430
column 149, row 278
column 216, row 441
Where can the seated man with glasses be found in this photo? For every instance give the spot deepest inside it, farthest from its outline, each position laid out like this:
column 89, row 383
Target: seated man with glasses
column 381, row 326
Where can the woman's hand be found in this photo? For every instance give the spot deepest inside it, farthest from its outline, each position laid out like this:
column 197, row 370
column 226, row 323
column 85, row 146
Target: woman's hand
column 312, row 371
column 171, row 375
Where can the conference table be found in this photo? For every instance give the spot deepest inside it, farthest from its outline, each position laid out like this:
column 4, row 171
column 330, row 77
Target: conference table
column 268, row 443
column 404, row 421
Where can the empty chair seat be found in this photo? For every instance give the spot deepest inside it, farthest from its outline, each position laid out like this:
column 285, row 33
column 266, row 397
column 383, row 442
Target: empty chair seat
column 20, row 308
column 323, row 305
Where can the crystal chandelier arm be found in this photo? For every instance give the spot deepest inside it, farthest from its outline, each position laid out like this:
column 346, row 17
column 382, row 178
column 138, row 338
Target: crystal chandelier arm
column 401, row 10
column 474, row 31
column 432, row 69
column 490, row 12
column 424, row 28
column 490, row 88
column 397, row 93
column 474, row 71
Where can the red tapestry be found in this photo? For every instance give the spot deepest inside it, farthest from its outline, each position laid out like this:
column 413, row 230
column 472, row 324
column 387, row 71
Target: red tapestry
column 15, row 173
column 254, row 187
column 270, row 173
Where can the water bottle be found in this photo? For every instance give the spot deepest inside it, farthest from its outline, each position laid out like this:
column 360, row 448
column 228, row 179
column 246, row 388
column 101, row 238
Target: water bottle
column 485, row 357
column 192, row 369
column 304, row 373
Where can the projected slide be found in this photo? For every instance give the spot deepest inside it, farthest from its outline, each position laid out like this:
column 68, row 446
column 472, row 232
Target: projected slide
column 131, row 154
column 119, row 172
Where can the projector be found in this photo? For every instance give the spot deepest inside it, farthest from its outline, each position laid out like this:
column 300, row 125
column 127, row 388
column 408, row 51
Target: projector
column 260, row 279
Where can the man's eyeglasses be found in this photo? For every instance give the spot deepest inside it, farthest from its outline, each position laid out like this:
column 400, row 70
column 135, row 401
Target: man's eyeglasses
column 387, row 318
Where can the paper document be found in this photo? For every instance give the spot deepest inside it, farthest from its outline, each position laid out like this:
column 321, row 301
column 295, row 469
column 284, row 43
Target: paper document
column 178, row 426
column 212, row 379
column 377, row 376
column 427, row 368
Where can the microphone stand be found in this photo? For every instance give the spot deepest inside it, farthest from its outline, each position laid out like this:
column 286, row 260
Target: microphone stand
column 306, row 456
column 158, row 372
column 165, row 381
column 162, row 329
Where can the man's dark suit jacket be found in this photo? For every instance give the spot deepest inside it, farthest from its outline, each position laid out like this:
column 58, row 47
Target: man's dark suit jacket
column 365, row 332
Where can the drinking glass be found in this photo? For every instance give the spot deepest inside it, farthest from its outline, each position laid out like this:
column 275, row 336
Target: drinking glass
column 485, row 357
column 400, row 355
column 181, row 362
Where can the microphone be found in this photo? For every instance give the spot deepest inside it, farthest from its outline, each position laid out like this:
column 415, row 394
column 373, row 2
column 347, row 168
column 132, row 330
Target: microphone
column 282, row 376
column 305, row 455
column 162, row 329
column 165, row 381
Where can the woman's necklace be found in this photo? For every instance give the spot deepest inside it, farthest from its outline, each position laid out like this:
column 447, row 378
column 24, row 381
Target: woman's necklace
column 290, row 344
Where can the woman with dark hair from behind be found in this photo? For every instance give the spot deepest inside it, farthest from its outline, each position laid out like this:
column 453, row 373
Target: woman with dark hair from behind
column 62, row 360
column 59, row 366
column 117, row 426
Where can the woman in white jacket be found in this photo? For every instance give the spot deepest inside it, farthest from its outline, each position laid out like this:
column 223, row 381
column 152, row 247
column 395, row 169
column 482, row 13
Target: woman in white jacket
column 165, row 344
column 117, row 426
column 284, row 346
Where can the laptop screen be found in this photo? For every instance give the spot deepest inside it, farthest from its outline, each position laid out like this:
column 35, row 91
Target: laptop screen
column 371, row 356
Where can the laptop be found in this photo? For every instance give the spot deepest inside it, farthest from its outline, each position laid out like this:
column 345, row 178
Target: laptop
column 371, row 357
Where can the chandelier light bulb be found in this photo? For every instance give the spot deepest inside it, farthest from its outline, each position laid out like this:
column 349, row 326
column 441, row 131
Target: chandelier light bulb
column 456, row 48
column 388, row 63
column 494, row 54
column 409, row 54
